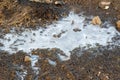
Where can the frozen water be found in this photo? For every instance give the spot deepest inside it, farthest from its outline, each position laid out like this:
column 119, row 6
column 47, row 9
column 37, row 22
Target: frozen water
column 52, row 62
column 62, row 35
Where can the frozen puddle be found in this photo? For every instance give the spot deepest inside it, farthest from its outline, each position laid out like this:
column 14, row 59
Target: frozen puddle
column 66, row 34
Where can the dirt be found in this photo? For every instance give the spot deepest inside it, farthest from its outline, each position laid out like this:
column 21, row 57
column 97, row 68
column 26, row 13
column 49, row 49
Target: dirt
column 19, row 13
column 93, row 64
column 29, row 14
column 92, row 8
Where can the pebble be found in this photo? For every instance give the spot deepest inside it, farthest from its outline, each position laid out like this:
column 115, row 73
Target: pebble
column 27, row 59
column 96, row 20
column 118, row 25
column 43, row 1
column 105, row 4
column 59, row 2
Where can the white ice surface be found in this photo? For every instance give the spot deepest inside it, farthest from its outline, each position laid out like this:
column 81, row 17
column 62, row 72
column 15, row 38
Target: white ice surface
column 52, row 62
column 43, row 38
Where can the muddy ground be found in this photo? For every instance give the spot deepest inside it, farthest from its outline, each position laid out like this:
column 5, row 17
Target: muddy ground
column 95, row 64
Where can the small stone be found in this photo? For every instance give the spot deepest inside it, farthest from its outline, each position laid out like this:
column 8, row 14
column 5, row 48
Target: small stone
column 105, row 4
column 96, row 20
column 118, row 25
column 104, row 77
column 59, row 2
column 27, row 59
column 99, row 73
column 42, row 1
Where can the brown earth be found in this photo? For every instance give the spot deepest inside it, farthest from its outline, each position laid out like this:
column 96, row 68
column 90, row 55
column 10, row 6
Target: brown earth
column 95, row 64
column 30, row 14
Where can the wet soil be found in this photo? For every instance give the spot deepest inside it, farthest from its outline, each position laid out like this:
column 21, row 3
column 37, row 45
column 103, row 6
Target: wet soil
column 92, row 64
